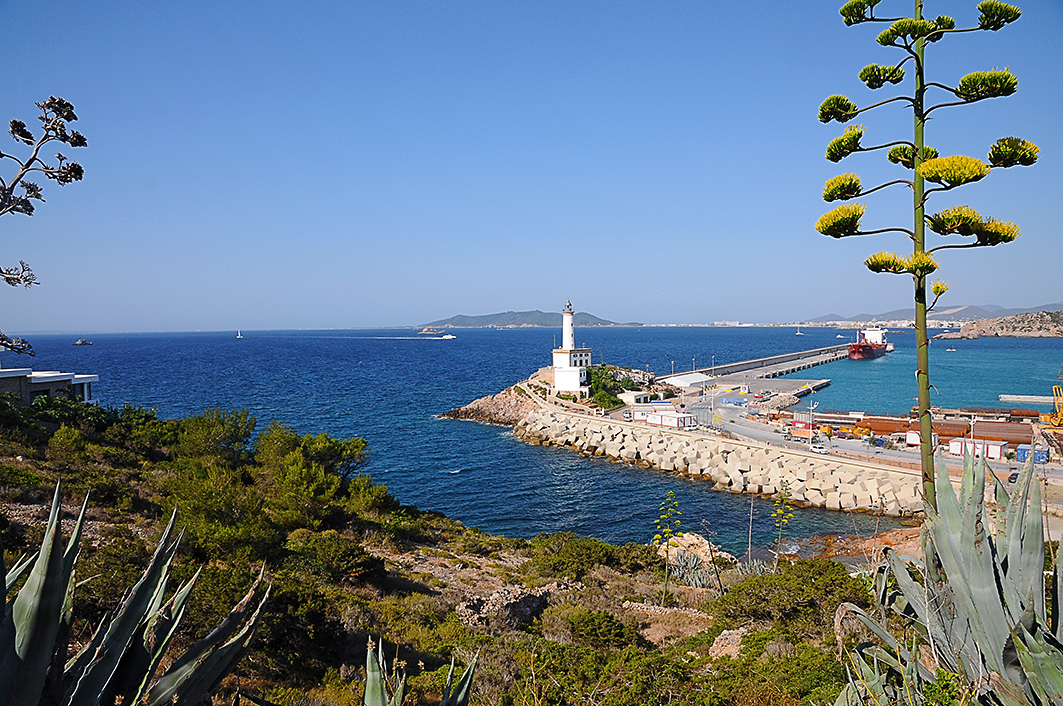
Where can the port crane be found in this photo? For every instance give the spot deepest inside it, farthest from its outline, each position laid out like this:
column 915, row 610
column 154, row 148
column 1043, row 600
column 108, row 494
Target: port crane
column 1055, row 418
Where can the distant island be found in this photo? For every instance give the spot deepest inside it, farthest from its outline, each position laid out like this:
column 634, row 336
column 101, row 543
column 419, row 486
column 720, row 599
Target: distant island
column 522, row 319
column 1042, row 324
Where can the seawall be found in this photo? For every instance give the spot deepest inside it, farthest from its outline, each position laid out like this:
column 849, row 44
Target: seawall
column 737, row 467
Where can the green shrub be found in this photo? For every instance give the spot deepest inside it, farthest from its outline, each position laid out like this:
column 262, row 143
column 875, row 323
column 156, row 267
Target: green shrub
column 12, row 475
column 331, row 557
column 566, row 554
column 66, row 447
column 802, row 597
column 601, row 630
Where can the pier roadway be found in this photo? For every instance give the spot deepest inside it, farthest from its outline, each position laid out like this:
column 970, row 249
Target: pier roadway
column 770, row 367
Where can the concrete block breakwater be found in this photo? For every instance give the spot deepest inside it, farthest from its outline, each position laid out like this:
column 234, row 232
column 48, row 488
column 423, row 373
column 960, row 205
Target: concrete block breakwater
column 737, row 467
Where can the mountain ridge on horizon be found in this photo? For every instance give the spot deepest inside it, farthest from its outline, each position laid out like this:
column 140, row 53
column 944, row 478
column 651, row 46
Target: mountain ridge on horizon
column 534, row 318
column 971, row 312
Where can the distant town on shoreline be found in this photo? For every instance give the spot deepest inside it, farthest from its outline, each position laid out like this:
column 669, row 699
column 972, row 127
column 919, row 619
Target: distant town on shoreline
column 952, row 317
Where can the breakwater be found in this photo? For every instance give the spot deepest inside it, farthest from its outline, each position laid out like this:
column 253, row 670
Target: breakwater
column 736, row 467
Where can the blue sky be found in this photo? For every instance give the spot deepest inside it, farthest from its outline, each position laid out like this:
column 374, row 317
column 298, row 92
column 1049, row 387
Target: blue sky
column 314, row 165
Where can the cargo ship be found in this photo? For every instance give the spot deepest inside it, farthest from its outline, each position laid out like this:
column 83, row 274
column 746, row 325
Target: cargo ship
column 870, row 343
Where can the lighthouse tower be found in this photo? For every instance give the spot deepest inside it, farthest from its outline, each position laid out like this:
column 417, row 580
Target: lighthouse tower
column 570, row 363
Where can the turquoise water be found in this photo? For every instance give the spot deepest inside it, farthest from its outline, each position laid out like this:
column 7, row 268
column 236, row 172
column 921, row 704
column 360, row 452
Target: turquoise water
column 389, row 385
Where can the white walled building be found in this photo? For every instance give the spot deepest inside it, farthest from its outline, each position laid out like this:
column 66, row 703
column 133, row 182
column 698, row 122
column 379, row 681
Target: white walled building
column 570, row 363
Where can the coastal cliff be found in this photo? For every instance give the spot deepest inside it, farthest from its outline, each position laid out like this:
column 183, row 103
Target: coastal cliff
column 1042, row 324
column 507, row 408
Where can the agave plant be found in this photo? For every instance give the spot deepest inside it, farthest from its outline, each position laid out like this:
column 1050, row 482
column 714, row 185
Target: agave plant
column 119, row 663
column 690, row 569
column 976, row 604
column 384, row 690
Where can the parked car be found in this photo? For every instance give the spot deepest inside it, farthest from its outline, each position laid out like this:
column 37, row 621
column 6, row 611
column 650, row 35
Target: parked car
column 1013, row 477
column 818, row 449
column 627, row 415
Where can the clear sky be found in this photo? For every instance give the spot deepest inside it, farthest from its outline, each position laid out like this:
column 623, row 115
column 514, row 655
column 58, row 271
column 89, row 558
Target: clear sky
column 264, row 165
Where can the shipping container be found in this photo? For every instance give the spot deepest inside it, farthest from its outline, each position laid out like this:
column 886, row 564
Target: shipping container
column 672, row 420
column 1023, row 452
column 993, row 449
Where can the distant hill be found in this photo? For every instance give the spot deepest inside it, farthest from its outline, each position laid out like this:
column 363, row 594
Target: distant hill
column 972, row 313
column 1043, row 324
column 510, row 319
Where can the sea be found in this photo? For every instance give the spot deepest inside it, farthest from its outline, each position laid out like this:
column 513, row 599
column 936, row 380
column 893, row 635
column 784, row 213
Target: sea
column 389, row 385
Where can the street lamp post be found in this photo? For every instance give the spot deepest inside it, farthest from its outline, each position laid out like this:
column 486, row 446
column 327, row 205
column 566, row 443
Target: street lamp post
column 673, row 367
column 693, row 364
column 811, row 426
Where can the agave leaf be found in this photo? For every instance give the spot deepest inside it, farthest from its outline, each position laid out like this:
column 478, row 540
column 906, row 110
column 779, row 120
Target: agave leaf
column 161, row 632
column 1057, row 596
column 460, row 695
column 375, row 692
column 19, row 568
column 93, row 680
column 1031, row 578
column 225, row 629
column 204, row 679
column 969, row 570
column 35, row 614
column 1042, row 672
column 77, row 663
column 201, row 665
column 145, row 653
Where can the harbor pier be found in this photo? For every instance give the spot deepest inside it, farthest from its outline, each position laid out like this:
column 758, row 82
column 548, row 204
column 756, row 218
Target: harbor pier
column 770, row 367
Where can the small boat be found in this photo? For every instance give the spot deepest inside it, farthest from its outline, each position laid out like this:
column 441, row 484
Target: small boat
column 81, row 342
column 950, row 349
column 799, row 332
column 238, row 334
column 840, row 336
column 448, row 336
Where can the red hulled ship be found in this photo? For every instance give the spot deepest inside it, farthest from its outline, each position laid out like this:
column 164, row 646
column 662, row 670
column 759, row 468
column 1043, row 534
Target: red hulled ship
column 870, row 343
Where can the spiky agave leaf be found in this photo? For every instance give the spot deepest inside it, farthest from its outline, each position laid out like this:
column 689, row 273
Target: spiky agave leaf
column 459, row 695
column 208, row 660
column 94, row 680
column 29, row 632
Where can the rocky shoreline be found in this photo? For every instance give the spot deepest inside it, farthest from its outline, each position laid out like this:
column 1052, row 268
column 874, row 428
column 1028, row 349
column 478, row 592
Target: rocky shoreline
column 505, row 409
column 1043, row 324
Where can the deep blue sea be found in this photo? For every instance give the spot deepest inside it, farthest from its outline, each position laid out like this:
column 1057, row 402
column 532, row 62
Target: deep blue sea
column 389, row 385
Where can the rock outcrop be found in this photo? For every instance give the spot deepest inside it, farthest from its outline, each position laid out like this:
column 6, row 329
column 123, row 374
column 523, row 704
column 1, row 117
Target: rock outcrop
column 504, row 409
column 1042, row 324
column 512, row 603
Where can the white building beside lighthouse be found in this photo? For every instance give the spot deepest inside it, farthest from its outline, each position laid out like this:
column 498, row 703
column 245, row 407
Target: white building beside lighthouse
column 570, row 363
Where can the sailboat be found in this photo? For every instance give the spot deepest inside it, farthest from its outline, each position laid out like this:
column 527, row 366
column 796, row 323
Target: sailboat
column 799, row 332
column 238, row 334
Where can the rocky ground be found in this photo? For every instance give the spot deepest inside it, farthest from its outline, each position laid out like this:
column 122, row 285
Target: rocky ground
column 505, row 409
column 1043, row 324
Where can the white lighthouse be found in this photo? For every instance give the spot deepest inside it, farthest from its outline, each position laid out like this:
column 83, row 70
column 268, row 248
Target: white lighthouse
column 570, row 363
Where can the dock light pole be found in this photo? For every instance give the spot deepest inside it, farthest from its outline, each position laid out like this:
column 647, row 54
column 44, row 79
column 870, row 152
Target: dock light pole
column 811, row 426
column 693, row 364
column 714, row 366
column 673, row 367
